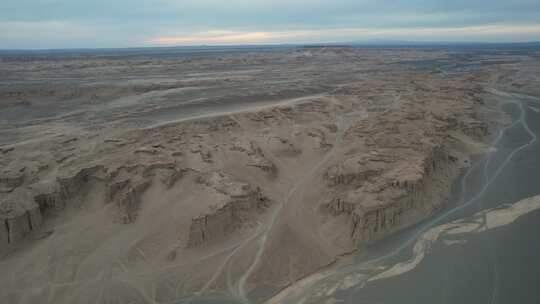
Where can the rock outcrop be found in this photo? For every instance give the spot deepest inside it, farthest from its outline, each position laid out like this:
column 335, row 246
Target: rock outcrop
column 19, row 215
column 410, row 198
column 22, row 210
column 381, row 192
column 235, row 209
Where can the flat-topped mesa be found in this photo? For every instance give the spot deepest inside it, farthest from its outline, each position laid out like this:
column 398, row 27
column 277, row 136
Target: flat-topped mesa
column 403, row 196
column 234, row 211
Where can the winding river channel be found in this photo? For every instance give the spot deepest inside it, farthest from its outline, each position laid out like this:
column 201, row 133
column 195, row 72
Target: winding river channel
column 484, row 249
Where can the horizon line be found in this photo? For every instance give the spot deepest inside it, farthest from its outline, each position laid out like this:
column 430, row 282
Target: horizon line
column 375, row 42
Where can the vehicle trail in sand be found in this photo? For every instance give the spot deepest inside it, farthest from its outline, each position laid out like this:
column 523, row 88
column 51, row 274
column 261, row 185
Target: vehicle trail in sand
column 343, row 123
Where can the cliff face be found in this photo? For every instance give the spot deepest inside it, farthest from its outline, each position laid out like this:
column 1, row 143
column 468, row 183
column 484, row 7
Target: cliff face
column 414, row 199
column 231, row 204
column 394, row 173
column 238, row 206
column 19, row 215
column 22, row 210
column 410, row 193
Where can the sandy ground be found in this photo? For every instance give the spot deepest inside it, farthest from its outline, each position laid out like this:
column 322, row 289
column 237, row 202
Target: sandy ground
column 163, row 180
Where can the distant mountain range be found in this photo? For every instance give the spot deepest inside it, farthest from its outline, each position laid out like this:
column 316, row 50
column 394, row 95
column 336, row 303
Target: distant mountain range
column 385, row 42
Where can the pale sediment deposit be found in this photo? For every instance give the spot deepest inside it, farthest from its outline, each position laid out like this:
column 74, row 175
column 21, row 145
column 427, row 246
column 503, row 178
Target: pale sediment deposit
column 480, row 222
column 232, row 175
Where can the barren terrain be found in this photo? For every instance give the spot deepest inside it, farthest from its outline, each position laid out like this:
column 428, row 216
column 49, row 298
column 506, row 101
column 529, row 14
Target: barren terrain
column 169, row 179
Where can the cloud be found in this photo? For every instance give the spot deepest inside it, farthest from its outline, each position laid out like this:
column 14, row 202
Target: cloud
column 44, row 30
column 472, row 33
column 105, row 23
column 63, row 34
column 224, row 37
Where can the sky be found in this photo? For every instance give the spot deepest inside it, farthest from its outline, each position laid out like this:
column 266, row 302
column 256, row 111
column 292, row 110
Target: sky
column 36, row 24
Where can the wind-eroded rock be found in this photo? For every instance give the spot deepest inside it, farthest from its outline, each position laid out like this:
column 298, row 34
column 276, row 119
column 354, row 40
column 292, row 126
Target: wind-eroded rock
column 235, row 209
column 11, row 178
column 22, row 210
column 354, row 170
column 19, row 215
column 396, row 198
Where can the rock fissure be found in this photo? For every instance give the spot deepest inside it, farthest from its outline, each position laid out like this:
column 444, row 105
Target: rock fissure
column 6, row 226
